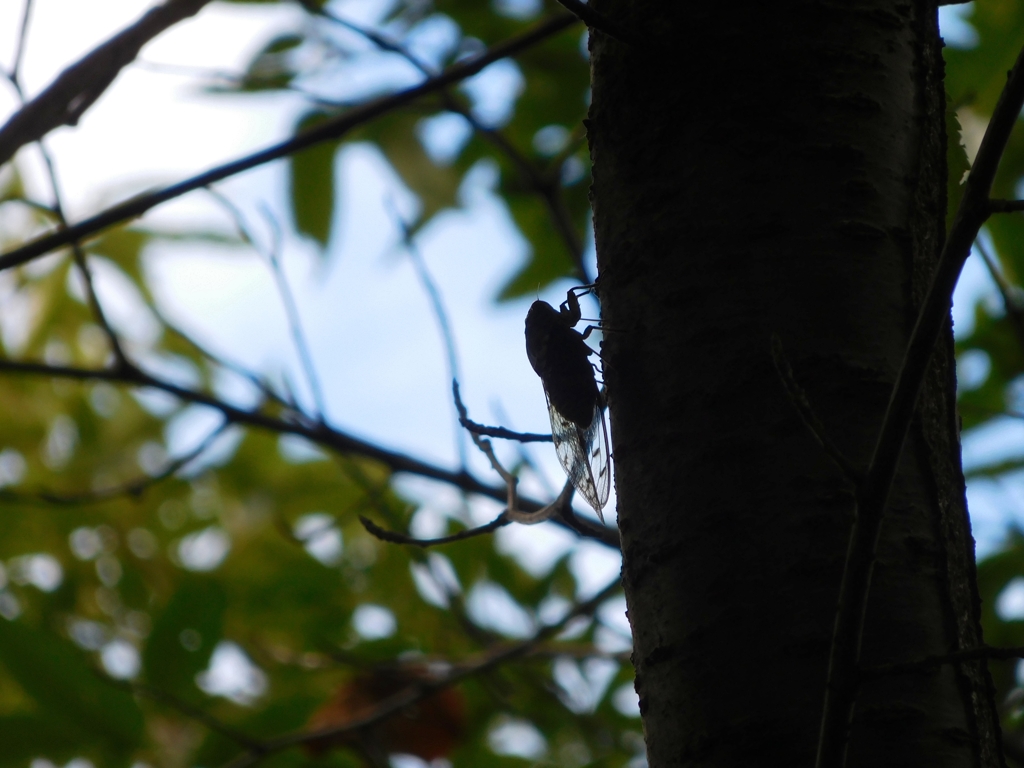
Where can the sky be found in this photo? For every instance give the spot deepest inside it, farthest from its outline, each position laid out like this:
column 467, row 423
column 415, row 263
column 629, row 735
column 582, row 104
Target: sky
column 374, row 341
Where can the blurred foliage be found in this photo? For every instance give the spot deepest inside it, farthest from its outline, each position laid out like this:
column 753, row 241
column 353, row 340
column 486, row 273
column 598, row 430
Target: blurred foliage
column 122, row 592
column 992, row 353
column 125, row 593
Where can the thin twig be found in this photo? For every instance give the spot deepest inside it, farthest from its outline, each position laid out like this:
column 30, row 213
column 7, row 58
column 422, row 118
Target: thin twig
column 400, row 538
column 261, row 384
column 524, row 457
column 437, row 306
column 1005, row 206
column 1014, row 313
column 974, row 209
column 559, row 510
column 65, row 100
column 291, row 308
column 320, row 434
column 802, row 404
column 561, row 506
column 419, row 691
column 189, row 711
column 19, row 49
column 81, row 263
column 501, row 432
column 511, row 481
column 35, row 205
column 328, row 130
column 452, row 593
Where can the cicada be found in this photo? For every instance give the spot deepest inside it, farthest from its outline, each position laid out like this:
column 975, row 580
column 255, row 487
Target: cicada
column 560, row 356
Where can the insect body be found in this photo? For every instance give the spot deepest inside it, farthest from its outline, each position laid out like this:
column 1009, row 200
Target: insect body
column 560, row 356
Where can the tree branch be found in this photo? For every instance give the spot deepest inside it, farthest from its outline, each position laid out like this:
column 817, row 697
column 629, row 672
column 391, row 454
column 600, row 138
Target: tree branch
column 272, row 255
column 77, row 87
column 19, row 50
column 840, row 691
column 320, row 434
column 1010, row 305
column 433, row 292
column 188, row 710
column 501, row 432
column 400, row 538
column 326, row 131
column 1005, row 206
column 57, row 209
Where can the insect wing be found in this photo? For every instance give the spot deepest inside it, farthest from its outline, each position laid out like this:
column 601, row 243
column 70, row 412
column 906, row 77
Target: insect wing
column 600, row 466
column 584, row 455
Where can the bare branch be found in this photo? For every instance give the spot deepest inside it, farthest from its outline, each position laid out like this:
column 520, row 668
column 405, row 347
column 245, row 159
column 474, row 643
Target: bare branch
column 974, row 209
column 1005, row 206
column 561, row 506
column 261, row 384
column 326, row 131
column 296, row 424
column 291, row 308
column 188, row 710
column 57, row 211
column 500, row 432
column 399, row 538
column 437, row 306
column 77, row 87
column 1012, row 307
column 81, row 262
column 504, row 434
column 19, row 50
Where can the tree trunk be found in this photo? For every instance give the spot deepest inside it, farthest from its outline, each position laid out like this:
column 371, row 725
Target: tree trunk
column 760, row 169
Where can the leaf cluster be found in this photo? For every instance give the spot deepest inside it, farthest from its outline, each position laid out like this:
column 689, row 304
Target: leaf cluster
column 130, row 569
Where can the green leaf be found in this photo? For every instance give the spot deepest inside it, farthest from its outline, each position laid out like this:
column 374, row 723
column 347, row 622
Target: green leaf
column 977, row 76
column 184, row 636
column 548, row 259
column 282, row 43
column 62, row 682
column 311, row 180
column 28, row 736
column 437, row 187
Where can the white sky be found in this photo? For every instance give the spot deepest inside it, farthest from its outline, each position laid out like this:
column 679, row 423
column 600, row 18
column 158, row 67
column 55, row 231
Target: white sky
column 375, row 343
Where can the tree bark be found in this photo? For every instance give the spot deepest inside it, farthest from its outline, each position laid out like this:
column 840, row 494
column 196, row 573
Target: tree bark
column 760, row 169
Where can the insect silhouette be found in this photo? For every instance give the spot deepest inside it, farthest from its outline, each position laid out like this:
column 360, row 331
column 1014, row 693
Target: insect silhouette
column 560, row 356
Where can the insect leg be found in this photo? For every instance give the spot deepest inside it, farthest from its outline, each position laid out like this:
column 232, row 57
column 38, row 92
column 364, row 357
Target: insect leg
column 570, row 308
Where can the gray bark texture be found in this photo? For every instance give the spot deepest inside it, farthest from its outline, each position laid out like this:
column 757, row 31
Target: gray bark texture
column 759, row 169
